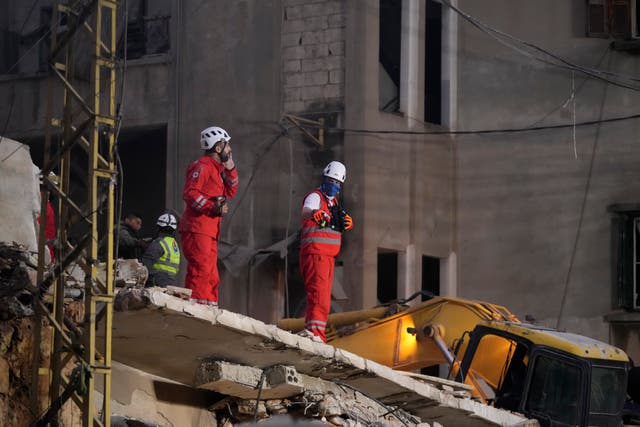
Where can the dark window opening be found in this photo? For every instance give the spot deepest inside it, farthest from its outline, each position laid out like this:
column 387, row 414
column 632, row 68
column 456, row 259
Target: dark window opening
column 619, row 19
column 387, row 276
column 433, row 63
column 389, row 55
column 10, row 47
column 146, row 35
column 430, row 276
column 144, row 186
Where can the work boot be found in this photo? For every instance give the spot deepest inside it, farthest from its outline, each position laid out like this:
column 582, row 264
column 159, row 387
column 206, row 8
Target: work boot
column 308, row 334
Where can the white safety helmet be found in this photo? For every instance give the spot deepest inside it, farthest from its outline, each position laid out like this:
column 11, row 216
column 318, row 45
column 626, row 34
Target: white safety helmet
column 211, row 135
column 167, row 220
column 335, row 170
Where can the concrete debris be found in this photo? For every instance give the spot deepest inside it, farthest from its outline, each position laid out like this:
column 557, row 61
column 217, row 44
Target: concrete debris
column 195, row 338
column 19, row 195
column 130, row 273
column 132, row 299
column 17, row 277
column 248, row 382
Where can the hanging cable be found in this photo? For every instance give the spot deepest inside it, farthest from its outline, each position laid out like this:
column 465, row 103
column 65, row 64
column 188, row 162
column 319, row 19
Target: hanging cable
column 587, row 186
column 512, row 42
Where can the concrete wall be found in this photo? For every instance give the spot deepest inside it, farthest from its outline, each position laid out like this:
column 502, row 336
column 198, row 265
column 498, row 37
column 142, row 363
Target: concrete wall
column 399, row 187
column 500, row 211
column 520, row 195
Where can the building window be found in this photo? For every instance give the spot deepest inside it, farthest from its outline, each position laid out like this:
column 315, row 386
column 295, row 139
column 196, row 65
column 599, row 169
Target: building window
column 619, row 19
column 146, row 35
column 625, row 238
column 387, row 276
column 433, row 62
column 389, row 55
column 10, row 48
column 430, row 276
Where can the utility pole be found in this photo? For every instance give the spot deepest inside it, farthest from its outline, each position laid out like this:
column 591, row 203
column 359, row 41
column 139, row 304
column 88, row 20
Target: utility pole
column 86, row 133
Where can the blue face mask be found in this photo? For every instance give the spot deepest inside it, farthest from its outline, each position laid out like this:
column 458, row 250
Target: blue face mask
column 330, row 188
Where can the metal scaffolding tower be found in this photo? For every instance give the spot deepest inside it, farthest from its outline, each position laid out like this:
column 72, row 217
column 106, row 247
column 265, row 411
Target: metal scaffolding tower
column 86, row 133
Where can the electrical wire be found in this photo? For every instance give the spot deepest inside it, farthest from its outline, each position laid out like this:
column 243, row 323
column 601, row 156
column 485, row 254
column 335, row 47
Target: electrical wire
column 587, row 186
column 259, row 159
column 116, row 153
column 473, row 132
column 563, row 63
column 577, row 90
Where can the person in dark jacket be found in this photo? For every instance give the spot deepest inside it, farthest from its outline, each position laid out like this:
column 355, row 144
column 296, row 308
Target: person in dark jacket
column 162, row 256
column 130, row 245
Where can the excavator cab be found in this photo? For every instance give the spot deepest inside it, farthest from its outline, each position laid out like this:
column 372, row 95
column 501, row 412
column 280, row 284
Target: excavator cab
column 519, row 368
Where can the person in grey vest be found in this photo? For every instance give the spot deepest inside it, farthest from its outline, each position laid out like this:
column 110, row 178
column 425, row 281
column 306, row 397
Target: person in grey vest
column 162, row 256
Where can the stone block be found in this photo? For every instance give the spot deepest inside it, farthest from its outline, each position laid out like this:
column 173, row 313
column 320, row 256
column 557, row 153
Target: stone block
column 333, row 35
column 294, row 79
column 313, row 37
column 315, row 23
column 334, row 62
column 316, row 51
column 314, row 64
column 291, row 94
column 316, row 78
column 294, row 26
column 337, row 20
column 336, row 76
column 293, row 12
column 312, row 92
column 334, row 7
column 294, row 52
column 292, row 66
column 291, row 39
column 333, row 91
column 295, row 106
column 314, row 9
column 336, row 48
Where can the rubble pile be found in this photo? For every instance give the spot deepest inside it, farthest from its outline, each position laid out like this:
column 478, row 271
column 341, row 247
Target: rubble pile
column 17, row 277
column 320, row 407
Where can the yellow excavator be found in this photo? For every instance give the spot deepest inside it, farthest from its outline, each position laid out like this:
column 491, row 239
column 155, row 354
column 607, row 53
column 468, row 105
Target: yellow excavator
column 558, row 378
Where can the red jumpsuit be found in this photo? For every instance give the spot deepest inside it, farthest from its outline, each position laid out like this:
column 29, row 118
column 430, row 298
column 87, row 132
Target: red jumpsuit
column 318, row 248
column 50, row 230
column 199, row 229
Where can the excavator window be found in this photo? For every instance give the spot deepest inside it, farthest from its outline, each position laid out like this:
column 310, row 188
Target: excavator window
column 555, row 391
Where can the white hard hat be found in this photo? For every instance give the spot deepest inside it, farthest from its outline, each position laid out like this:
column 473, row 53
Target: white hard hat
column 335, row 170
column 211, row 135
column 167, row 220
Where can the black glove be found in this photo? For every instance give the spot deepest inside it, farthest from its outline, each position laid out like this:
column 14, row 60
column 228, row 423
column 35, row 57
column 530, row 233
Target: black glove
column 220, row 207
column 337, row 218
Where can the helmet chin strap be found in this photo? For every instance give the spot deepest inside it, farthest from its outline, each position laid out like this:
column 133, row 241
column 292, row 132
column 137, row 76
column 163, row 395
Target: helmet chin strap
column 223, row 157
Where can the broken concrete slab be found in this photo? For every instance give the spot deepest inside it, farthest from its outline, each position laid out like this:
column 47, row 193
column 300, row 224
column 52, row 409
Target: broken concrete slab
column 172, row 337
column 248, row 382
column 19, row 195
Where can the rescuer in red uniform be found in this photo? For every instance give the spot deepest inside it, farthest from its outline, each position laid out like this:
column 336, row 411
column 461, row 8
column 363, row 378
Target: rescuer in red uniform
column 210, row 182
column 323, row 222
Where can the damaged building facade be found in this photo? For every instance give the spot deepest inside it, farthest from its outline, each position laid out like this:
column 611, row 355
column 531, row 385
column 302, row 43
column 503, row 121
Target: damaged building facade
column 529, row 220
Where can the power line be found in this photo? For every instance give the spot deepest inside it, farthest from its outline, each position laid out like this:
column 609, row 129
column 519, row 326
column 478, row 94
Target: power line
column 475, row 132
column 562, row 62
